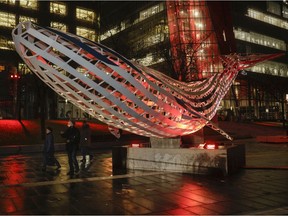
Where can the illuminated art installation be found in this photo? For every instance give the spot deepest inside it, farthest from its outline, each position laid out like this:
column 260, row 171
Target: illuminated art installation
column 122, row 93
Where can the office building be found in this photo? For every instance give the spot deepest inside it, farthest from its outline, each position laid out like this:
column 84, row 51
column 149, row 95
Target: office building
column 180, row 38
column 184, row 38
column 22, row 93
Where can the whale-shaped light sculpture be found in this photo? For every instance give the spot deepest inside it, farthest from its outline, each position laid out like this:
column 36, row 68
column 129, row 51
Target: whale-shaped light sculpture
column 122, row 93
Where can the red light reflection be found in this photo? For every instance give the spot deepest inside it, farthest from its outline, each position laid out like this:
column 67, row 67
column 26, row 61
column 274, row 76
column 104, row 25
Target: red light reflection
column 14, row 176
column 16, row 170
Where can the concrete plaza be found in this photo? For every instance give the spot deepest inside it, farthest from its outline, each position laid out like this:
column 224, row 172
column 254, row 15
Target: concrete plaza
column 259, row 188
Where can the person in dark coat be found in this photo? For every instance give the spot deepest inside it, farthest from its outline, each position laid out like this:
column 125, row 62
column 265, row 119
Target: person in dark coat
column 48, row 151
column 85, row 143
column 72, row 135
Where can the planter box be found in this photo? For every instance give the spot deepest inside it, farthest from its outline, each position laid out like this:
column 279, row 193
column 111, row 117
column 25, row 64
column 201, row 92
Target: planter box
column 185, row 160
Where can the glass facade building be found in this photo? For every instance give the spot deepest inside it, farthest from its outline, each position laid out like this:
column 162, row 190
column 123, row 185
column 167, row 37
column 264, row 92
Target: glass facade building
column 179, row 38
column 260, row 92
column 23, row 95
column 183, row 38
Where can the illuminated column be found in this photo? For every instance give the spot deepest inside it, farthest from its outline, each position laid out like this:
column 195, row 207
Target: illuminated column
column 193, row 41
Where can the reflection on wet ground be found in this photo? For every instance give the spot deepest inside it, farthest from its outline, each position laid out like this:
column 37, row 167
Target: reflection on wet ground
column 25, row 189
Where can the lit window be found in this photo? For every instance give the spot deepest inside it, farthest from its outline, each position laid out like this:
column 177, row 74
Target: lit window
column 285, row 11
column 84, row 14
column 6, row 44
column 155, row 9
column 151, row 11
column 86, row 33
column 31, row 4
column 274, row 7
column 126, row 24
column 271, row 68
column 24, row 68
column 269, row 19
column 150, row 59
column 57, row 8
column 260, row 39
column 12, row 2
column 59, row 26
column 7, row 19
column 25, row 18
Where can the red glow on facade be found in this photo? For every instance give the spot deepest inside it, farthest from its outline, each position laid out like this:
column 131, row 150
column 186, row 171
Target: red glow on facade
column 193, row 41
column 28, row 132
column 93, row 125
column 14, row 130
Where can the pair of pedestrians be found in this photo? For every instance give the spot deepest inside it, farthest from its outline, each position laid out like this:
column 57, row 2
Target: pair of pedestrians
column 73, row 137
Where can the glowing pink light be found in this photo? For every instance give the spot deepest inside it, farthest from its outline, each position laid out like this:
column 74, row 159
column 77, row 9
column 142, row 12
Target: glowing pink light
column 122, row 93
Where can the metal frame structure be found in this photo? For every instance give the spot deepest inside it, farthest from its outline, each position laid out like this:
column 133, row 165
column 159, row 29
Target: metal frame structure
column 193, row 39
column 122, row 93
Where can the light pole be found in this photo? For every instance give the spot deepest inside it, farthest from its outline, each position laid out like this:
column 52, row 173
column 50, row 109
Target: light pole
column 15, row 77
column 285, row 112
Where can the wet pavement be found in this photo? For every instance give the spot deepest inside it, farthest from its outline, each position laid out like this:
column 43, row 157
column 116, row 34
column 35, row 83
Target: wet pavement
column 259, row 188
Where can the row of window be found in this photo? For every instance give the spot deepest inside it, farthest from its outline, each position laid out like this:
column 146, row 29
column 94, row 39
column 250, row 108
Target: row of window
column 31, row 4
column 151, row 36
column 6, row 44
column 277, row 8
column 268, row 67
column 151, row 11
column 267, row 18
column 83, row 14
column 90, row 34
column 271, row 68
column 125, row 24
column 150, row 59
column 56, row 8
column 260, row 39
column 9, row 20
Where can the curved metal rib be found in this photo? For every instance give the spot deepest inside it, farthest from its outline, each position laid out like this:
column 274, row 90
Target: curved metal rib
column 118, row 92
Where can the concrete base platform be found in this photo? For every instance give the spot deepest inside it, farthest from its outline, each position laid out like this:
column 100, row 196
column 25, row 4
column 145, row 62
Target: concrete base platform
column 193, row 160
column 272, row 139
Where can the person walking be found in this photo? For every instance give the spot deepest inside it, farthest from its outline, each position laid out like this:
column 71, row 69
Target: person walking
column 72, row 135
column 85, row 143
column 48, row 150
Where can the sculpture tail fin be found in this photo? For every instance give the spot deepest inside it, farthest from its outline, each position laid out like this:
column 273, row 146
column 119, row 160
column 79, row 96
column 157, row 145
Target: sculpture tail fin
column 219, row 130
column 115, row 131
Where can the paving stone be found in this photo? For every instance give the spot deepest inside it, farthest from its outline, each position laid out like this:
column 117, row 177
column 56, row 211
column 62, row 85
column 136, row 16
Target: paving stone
column 25, row 189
